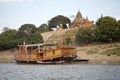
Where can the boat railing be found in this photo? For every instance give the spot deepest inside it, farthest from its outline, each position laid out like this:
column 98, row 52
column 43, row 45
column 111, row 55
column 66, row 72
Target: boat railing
column 26, row 56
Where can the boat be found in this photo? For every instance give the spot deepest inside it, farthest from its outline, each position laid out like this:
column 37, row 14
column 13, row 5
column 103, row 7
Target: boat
column 45, row 53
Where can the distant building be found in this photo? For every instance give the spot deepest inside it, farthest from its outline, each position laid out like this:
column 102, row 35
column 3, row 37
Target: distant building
column 79, row 21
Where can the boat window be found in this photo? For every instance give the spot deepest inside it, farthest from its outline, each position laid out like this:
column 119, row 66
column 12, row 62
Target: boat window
column 53, row 52
column 29, row 49
column 20, row 49
column 45, row 54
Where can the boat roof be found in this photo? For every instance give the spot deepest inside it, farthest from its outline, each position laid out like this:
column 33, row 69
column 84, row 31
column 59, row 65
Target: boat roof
column 42, row 44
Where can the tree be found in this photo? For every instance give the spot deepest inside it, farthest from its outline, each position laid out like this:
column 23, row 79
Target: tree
column 29, row 34
column 118, row 30
column 107, row 29
column 27, row 29
column 119, row 24
column 57, row 20
column 11, row 38
column 43, row 28
column 85, row 35
column 8, row 39
column 34, row 38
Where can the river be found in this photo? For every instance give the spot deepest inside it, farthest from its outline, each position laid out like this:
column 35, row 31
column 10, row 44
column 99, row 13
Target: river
column 11, row 71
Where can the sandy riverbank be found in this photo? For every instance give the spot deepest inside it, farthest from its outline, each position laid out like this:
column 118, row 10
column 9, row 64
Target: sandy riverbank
column 99, row 59
column 82, row 52
column 6, row 56
column 96, row 53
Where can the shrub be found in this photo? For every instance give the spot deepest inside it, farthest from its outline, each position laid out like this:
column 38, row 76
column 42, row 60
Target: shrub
column 85, row 35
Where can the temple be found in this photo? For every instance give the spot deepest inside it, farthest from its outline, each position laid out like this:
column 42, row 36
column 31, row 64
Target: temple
column 79, row 21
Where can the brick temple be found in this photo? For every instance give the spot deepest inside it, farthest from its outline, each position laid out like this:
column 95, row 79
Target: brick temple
column 79, row 21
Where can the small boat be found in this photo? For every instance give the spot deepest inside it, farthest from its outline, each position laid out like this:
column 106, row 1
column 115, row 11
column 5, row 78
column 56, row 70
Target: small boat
column 45, row 53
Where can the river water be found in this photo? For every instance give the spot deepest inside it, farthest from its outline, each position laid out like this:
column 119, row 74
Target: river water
column 13, row 71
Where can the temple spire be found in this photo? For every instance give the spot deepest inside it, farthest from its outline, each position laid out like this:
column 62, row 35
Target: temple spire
column 79, row 21
column 79, row 15
column 87, row 17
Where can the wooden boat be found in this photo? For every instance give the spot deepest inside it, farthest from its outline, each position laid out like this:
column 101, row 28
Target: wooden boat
column 44, row 53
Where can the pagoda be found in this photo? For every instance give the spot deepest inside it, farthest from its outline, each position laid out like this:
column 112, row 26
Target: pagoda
column 79, row 21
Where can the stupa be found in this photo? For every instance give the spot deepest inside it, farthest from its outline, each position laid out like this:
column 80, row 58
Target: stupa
column 79, row 21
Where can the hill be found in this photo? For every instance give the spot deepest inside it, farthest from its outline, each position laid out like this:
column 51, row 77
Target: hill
column 57, row 36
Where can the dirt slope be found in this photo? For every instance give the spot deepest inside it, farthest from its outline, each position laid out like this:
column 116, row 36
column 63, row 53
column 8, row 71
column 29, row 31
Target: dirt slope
column 57, row 36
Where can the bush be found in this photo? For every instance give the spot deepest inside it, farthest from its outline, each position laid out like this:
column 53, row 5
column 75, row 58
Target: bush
column 107, row 29
column 68, row 41
column 85, row 35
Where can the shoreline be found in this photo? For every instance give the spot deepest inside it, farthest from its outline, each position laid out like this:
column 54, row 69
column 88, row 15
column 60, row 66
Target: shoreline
column 76, row 63
column 83, row 52
column 8, row 57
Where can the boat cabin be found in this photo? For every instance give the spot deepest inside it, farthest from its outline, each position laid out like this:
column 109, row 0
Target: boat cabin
column 45, row 52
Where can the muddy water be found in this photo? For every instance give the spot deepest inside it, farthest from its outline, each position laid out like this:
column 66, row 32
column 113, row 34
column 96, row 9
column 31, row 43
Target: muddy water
column 59, row 72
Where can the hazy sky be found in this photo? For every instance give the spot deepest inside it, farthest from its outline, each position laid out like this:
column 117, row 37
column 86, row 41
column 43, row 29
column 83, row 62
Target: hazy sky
column 14, row 13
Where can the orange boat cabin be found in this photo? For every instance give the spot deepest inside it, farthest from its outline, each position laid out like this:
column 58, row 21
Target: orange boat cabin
column 44, row 53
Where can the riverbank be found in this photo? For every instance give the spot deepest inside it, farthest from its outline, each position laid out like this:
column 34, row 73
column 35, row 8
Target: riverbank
column 95, row 53
column 6, row 56
column 100, row 53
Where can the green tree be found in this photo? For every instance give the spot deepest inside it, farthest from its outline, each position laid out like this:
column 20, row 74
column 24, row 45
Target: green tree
column 11, row 38
column 27, row 29
column 119, row 24
column 118, row 30
column 43, row 28
column 29, row 34
column 8, row 39
column 34, row 38
column 85, row 35
column 107, row 29
column 57, row 20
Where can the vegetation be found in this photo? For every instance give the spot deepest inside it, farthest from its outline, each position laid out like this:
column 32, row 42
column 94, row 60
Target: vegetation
column 34, row 38
column 27, row 29
column 70, row 32
column 92, row 51
column 85, row 35
column 29, row 34
column 68, row 41
column 10, row 38
column 113, row 51
column 58, row 20
column 43, row 28
column 107, row 29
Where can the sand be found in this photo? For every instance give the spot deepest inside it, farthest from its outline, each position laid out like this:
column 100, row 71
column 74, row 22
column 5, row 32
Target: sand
column 6, row 56
column 97, row 57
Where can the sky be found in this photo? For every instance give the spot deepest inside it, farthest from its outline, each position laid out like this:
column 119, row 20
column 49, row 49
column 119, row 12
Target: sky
column 14, row 13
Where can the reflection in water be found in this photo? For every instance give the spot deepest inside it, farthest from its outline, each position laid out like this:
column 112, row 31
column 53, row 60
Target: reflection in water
column 59, row 72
